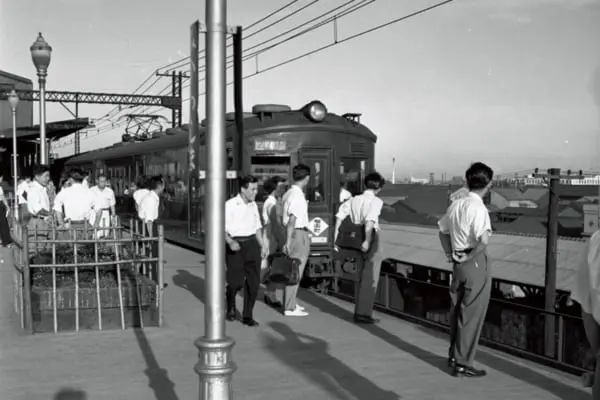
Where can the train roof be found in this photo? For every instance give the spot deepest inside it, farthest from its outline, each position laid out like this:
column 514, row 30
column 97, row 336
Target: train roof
column 174, row 139
column 264, row 119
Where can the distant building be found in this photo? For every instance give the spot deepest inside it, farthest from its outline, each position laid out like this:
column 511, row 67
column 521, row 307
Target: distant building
column 8, row 82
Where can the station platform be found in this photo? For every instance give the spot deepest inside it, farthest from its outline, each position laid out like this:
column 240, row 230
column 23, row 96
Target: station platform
column 322, row 356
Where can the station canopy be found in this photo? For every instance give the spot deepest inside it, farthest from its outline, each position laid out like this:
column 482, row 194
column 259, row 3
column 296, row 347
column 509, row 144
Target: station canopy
column 54, row 130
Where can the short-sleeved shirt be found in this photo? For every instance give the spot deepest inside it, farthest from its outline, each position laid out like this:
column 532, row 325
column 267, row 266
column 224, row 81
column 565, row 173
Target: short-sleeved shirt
column 103, row 198
column 21, row 190
column 241, row 219
column 294, row 203
column 148, row 207
column 362, row 208
column 466, row 220
column 344, row 195
column 37, row 198
column 77, row 202
column 139, row 195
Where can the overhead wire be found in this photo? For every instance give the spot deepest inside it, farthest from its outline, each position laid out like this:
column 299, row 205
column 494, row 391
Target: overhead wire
column 343, row 40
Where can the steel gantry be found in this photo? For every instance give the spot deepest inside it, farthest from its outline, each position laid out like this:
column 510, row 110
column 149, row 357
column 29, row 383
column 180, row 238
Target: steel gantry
column 171, row 102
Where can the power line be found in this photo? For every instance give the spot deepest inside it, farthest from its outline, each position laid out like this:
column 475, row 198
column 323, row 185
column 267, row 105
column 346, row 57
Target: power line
column 336, row 42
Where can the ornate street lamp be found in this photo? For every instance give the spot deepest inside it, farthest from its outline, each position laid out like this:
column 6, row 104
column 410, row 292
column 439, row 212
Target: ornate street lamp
column 13, row 100
column 40, row 54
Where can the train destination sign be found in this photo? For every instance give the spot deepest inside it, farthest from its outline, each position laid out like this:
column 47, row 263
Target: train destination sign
column 270, row 145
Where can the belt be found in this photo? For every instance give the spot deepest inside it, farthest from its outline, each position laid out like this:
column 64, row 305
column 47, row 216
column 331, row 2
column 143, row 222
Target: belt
column 466, row 251
column 243, row 238
column 301, row 229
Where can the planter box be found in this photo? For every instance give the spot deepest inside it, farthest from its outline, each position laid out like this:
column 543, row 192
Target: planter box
column 138, row 308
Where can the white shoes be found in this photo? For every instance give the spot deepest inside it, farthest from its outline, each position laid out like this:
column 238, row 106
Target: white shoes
column 298, row 312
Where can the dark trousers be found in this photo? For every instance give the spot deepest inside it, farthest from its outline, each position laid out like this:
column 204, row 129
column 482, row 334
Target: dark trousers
column 4, row 226
column 243, row 270
column 470, row 294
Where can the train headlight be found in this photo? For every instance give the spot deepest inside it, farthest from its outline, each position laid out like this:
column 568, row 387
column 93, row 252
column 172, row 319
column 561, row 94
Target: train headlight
column 315, row 111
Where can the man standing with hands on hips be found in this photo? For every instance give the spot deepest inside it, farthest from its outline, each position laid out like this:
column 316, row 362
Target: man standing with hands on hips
column 465, row 230
column 245, row 249
column 297, row 244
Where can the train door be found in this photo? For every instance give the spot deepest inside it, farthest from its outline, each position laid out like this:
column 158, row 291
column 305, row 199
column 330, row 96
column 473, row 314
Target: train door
column 320, row 199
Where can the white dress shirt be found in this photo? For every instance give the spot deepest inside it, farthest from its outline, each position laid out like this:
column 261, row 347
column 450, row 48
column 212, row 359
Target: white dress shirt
column 294, row 203
column 268, row 205
column 362, row 208
column 139, row 195
column 241, row 218
column 103, row 198
column 148, row 208
column 77, row 200
column 344, row 195
column 466, row 220
column 37, row 198
column 587, row 288
column 22, row 188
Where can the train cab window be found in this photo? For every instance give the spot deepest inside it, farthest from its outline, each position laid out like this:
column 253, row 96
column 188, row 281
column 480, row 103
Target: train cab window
column 353, row 170
column 266, row 167
column 316, row 188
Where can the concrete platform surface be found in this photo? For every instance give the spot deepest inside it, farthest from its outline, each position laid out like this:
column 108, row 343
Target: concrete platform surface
column 323, row 356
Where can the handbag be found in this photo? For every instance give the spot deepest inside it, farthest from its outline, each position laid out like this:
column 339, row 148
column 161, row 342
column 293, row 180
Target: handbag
column 351, row 235
column 284, row 269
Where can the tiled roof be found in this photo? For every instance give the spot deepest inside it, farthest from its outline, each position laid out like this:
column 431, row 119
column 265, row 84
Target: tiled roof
column 426, row 199
column 514, row 258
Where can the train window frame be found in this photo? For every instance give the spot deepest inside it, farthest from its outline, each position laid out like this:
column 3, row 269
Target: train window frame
column 324, row 157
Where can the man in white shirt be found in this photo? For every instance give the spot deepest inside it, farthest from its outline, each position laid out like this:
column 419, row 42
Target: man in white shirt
column 297, row 245
column 104, row 206
column 149, row 205
column 74, row 204
column 344, row 192
column 465, row 230
column 141, row 192
column 365, row 210
column 273, row 231
column 243, row 234
column 38, row 202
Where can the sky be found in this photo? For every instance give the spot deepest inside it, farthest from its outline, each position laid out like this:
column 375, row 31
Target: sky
column 512, row 83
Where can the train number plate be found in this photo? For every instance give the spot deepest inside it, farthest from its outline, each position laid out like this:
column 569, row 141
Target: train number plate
column 318, row 239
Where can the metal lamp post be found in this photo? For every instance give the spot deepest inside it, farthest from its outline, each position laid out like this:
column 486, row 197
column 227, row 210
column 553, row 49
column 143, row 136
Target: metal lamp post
column 215, row 366
column 40, row 54
column 13, row 100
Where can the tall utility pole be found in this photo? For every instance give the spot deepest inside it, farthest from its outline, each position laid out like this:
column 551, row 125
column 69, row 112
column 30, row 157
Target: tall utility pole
column 215, row 366
column 238, row 100
column 551, row 251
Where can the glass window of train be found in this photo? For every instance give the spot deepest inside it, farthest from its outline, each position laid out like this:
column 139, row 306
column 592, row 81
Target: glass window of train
column 316, row 185
column 351, row 173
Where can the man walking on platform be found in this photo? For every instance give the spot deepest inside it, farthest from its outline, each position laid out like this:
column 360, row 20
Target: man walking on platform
column 243, row 234
column 364, row 210
column 297, row 245
column 465, row 230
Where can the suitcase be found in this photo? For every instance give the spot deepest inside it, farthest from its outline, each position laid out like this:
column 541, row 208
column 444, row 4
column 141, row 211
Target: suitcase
column 284, row 269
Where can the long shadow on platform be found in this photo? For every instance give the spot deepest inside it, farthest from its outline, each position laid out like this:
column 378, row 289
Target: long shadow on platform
column 330, row 308
column 522, row 373
column 163, row 387
column 309, row 356
column 70, row 394
column 190, row 282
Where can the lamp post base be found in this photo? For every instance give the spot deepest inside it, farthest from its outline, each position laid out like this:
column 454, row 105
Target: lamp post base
column 215, row 368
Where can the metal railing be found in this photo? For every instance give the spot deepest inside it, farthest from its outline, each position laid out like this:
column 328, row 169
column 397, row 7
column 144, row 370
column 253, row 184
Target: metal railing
column 510, row 326
column 83, row 263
